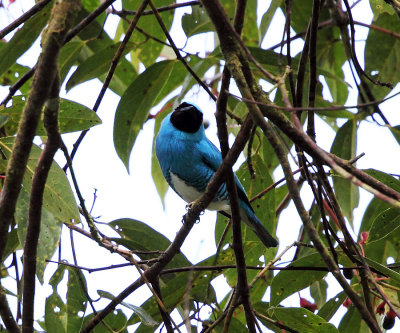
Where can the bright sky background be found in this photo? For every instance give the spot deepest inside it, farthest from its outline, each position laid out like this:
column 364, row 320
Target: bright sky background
column 123, row 195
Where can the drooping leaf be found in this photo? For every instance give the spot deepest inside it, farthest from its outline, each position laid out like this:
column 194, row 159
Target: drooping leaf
column 50, row 230
column 58, row 198
column 287, row 282
column 318, row 291
column 344, row 146
column 386, row 67
column 328, row 310
column 72, row 117
column 23, row 39
column 134, row 107
column 267, row 18
column 99, row 64
column 303, row 320
column 68, row 56
column 352, row 323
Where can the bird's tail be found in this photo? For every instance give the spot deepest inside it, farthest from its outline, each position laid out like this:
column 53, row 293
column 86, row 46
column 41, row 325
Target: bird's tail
column 254, row 223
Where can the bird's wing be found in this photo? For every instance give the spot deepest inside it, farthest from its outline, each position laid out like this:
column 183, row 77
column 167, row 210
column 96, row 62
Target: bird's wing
column 211, row 156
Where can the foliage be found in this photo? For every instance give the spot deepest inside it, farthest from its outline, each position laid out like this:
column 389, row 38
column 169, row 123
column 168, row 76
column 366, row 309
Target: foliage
column 151, row 76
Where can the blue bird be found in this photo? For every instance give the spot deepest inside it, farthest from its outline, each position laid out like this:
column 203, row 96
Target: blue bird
column 188, row 160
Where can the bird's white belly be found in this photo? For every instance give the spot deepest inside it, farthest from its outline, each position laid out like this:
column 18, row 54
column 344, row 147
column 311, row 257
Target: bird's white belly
column 190, row 194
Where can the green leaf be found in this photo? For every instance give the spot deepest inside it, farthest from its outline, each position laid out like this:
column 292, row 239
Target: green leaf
column 50, row 231
column 72, row 117
column 318, row 291
column 250, row 29
column 65, row 317
column 377, row 206
column 13, row 74
column 145, row 318
column 68, row 56
column 287, row 282
column 384, row 270
column 380, row 6
column 386, row 67
column 136, row 235
column 329, row 309
column 148, row 48
column 396, row 132
column 58, row 198
column 352, row 323
column 99, row 64
column 267, row 18
column 23, row 39
column 303, row 321
column 134, row 107
column 344, row 146
column 115, row 321
column 385, row 223
column 197, row 22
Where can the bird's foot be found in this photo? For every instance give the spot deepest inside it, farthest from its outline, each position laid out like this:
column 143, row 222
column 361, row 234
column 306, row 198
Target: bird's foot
column 189, row 207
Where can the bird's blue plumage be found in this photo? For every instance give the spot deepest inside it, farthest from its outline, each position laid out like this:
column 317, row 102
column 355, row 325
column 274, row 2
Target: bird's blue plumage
column 188, row 160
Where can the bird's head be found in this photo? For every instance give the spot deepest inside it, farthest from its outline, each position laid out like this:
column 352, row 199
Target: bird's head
column 187, row 118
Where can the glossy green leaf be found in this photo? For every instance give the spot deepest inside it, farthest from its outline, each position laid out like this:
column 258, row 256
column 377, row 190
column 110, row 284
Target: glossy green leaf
column 99, row 64
column 145, row 318
column 197, row 22
column 136, row 235
column 386, row 67
column 344, row 146
column 23, row 39
column 72, row 117
column 58, row 198
column 385, row 223
column 134, row 107
column 287, row 282
column 329, row 309
column 303, row 321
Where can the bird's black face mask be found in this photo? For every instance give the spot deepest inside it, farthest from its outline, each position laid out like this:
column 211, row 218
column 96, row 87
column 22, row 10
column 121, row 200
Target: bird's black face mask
column 187, row 118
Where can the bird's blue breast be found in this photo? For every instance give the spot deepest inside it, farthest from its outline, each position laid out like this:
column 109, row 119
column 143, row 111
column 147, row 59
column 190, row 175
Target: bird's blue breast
column 190, row 157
